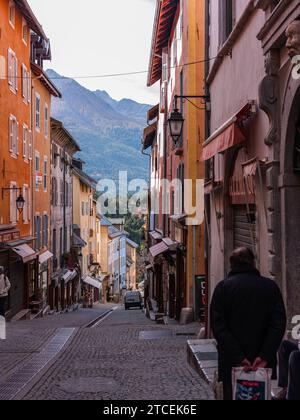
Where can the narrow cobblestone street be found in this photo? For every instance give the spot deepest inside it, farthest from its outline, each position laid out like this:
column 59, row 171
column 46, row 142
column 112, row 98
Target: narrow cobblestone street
column 124, row 357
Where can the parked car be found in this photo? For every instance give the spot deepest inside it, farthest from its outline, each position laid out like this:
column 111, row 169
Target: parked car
column 133, row 300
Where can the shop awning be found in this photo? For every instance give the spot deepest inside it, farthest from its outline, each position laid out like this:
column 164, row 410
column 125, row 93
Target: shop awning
column 25, row 252
column 250, row 168
column 92, row 282
column 228, row 135
column 178, row 218
column 155, row 235
column 170, row 243
column 46, row 256
column 78, row 242
column 158, row 249
column 69, row 275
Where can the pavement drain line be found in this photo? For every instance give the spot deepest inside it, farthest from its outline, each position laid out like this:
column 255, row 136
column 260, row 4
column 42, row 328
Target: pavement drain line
column 101, row 318
column 18, row 380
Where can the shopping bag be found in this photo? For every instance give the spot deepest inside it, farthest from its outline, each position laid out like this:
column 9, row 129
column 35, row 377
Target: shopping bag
column 251, row 386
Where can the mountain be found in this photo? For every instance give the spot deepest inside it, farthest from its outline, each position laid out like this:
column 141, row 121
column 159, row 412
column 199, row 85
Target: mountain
column 126, row 107
column 108, row 131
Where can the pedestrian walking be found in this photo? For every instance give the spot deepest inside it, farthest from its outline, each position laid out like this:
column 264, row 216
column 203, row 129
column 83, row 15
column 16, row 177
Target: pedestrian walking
column 289, row 368
column 248, row 319
column 4, row 289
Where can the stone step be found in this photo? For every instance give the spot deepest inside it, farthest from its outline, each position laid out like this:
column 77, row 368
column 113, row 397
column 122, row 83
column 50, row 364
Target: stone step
column 203, row 357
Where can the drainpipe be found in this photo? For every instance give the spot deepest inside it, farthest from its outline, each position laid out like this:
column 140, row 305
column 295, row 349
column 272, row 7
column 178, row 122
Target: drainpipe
column 207, row 198
column 64, row 207
column 194, row 269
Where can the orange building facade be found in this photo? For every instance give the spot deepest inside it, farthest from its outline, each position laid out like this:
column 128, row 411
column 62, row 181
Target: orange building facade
column 23, row 47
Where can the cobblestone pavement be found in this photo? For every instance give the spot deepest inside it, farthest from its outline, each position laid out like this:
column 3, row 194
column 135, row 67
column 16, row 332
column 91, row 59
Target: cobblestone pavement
column 26, row 338
column 126, row 357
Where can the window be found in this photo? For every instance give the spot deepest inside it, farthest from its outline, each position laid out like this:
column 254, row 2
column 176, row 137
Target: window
column 54, row 244
column 26, row 142
column 25, row 84
column 65, row 239
column 61, row 193
column 13, row 135
column 181, row 19
column 45, row 172
column 165, row 66
column 12, row 71
column 13, row 205
column 54, row 191
column 38, row 232
column 12, row 13
column 46, row 121
column 175, row 50
column 225, row 20
column 25, row 31
column 67, row 194
column 45, row 230
column 82, row 208
column 60, row 245
column 37, row 112
column 27, row 207
column 37, row 170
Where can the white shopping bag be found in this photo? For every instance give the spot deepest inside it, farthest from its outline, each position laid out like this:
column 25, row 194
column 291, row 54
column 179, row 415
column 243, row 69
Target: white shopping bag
column 251, row 386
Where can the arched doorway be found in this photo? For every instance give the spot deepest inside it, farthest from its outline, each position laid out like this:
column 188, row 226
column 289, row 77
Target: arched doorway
column 289, row 184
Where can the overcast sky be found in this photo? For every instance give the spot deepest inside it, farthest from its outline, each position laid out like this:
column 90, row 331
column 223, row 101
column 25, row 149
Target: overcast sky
column 96, row 37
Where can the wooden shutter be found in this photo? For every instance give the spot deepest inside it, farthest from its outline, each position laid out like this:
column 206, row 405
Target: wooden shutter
column 15, row 73
column 17, row 138
column 165, row 66
column 10, row 67
column 24, row 82
column 11, row 133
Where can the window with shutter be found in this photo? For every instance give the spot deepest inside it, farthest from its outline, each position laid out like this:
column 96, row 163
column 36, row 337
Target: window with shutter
column 38, row 232
column 226, row 20
column 25, row 142
column 37, row 112
column 12, row 70
column 62, row 193
column 25, row 84
column 12, row 13
column 24, row 81
column 16, row 138
column 13, row 135
column 29, row 144
column 45, row 172
column 45, row 230
column 165, row 66
column 26, row 205
column 25, row 31
column 13, row 206
column 10, row 67
column 46, row 121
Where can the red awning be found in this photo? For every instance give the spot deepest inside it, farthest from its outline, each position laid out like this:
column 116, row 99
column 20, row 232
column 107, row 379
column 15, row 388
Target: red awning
column 228, row 135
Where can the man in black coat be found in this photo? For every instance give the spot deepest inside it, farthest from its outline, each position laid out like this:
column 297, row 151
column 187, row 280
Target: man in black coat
column 248, row 319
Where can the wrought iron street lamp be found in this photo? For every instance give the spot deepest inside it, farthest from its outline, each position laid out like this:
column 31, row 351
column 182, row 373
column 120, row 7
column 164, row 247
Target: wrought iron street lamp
column 20, row 201
column 176, row 120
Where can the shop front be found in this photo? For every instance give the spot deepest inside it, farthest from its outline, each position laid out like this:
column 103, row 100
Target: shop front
column 20, row 264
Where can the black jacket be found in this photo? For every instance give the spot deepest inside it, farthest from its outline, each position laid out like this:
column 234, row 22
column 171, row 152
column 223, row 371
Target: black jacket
column 248, row 319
